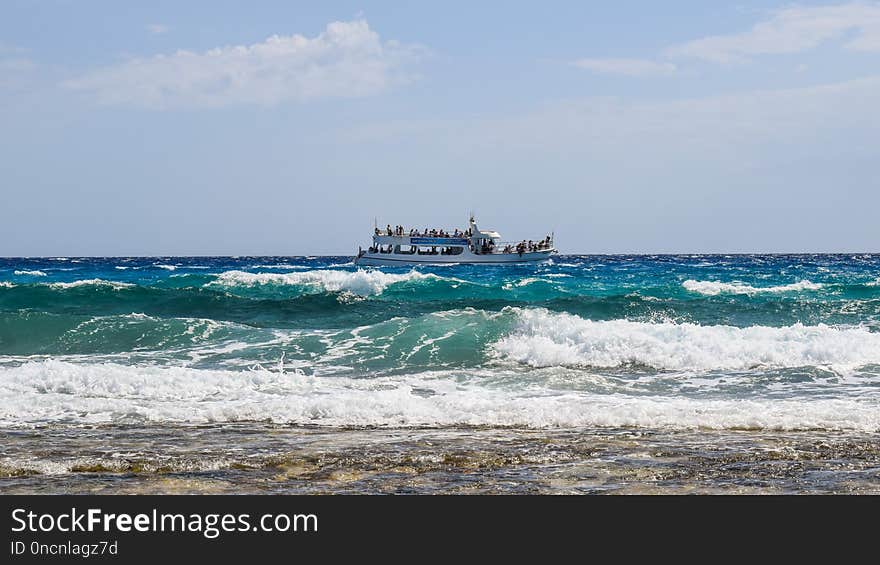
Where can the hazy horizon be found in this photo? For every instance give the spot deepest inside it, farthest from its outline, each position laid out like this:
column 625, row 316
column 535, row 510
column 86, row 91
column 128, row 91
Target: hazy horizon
column 336, row 255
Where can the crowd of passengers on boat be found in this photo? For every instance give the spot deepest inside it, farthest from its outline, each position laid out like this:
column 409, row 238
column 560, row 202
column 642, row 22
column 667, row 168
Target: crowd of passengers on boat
column 487, row 247
column 399, row 231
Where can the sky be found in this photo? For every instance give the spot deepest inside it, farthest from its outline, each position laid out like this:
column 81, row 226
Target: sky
column 285, row 128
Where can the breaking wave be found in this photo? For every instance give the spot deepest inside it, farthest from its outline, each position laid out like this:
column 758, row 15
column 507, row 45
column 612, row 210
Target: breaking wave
column 543, row 338
column 67, row 393
column 791, row 343
column 523, row 282
column 91, row 282
column 712, row 288
column 361, row 282
column 29, row 273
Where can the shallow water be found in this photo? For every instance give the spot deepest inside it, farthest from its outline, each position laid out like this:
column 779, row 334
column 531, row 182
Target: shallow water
column 588, row 374
column 265, row 459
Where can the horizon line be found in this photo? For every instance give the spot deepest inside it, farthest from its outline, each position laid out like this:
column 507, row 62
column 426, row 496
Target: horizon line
column 316, row 256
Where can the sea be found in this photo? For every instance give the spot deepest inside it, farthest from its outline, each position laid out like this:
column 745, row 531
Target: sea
column 585, row 374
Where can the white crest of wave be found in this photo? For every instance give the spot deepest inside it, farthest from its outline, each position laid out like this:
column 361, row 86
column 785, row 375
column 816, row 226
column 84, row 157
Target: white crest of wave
column 713, row 288
column 91, row 282
column 360, row 282
column 522, row 282
column 40, row 392
column 543, row 338
column 6, row 284
column 29, row 273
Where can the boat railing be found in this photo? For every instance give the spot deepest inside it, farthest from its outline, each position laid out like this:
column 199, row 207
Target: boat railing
column 498, row 248
column 402, row 235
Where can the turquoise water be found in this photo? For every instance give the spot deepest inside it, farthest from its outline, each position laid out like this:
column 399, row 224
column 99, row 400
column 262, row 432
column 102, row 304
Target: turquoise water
column 769, row 345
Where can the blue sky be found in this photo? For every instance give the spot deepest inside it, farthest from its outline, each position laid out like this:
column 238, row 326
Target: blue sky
column 284, row 128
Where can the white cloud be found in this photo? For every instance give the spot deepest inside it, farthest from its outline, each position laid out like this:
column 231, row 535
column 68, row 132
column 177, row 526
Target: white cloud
column 15, row 69
column 16, row 64
column 348, row 59
column 157, row 29
column 792, row 30
column 662, row 174
column 627, row 67
column 712, row 129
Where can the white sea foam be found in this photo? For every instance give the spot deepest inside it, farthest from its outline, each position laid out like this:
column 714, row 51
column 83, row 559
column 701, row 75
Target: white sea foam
column 359, row 282
column 91, row 282
column 29, row 273
column 49, row 467
column 166, row 267
column 544, row 338
column 712, row 288
column 6, row 284
column 62, row 392
column 522, row 282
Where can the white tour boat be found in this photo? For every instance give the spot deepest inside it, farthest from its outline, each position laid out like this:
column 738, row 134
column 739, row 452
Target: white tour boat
column 398, row 246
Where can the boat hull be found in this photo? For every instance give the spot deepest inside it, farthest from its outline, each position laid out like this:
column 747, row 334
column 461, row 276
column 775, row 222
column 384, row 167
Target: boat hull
column 392, row 259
